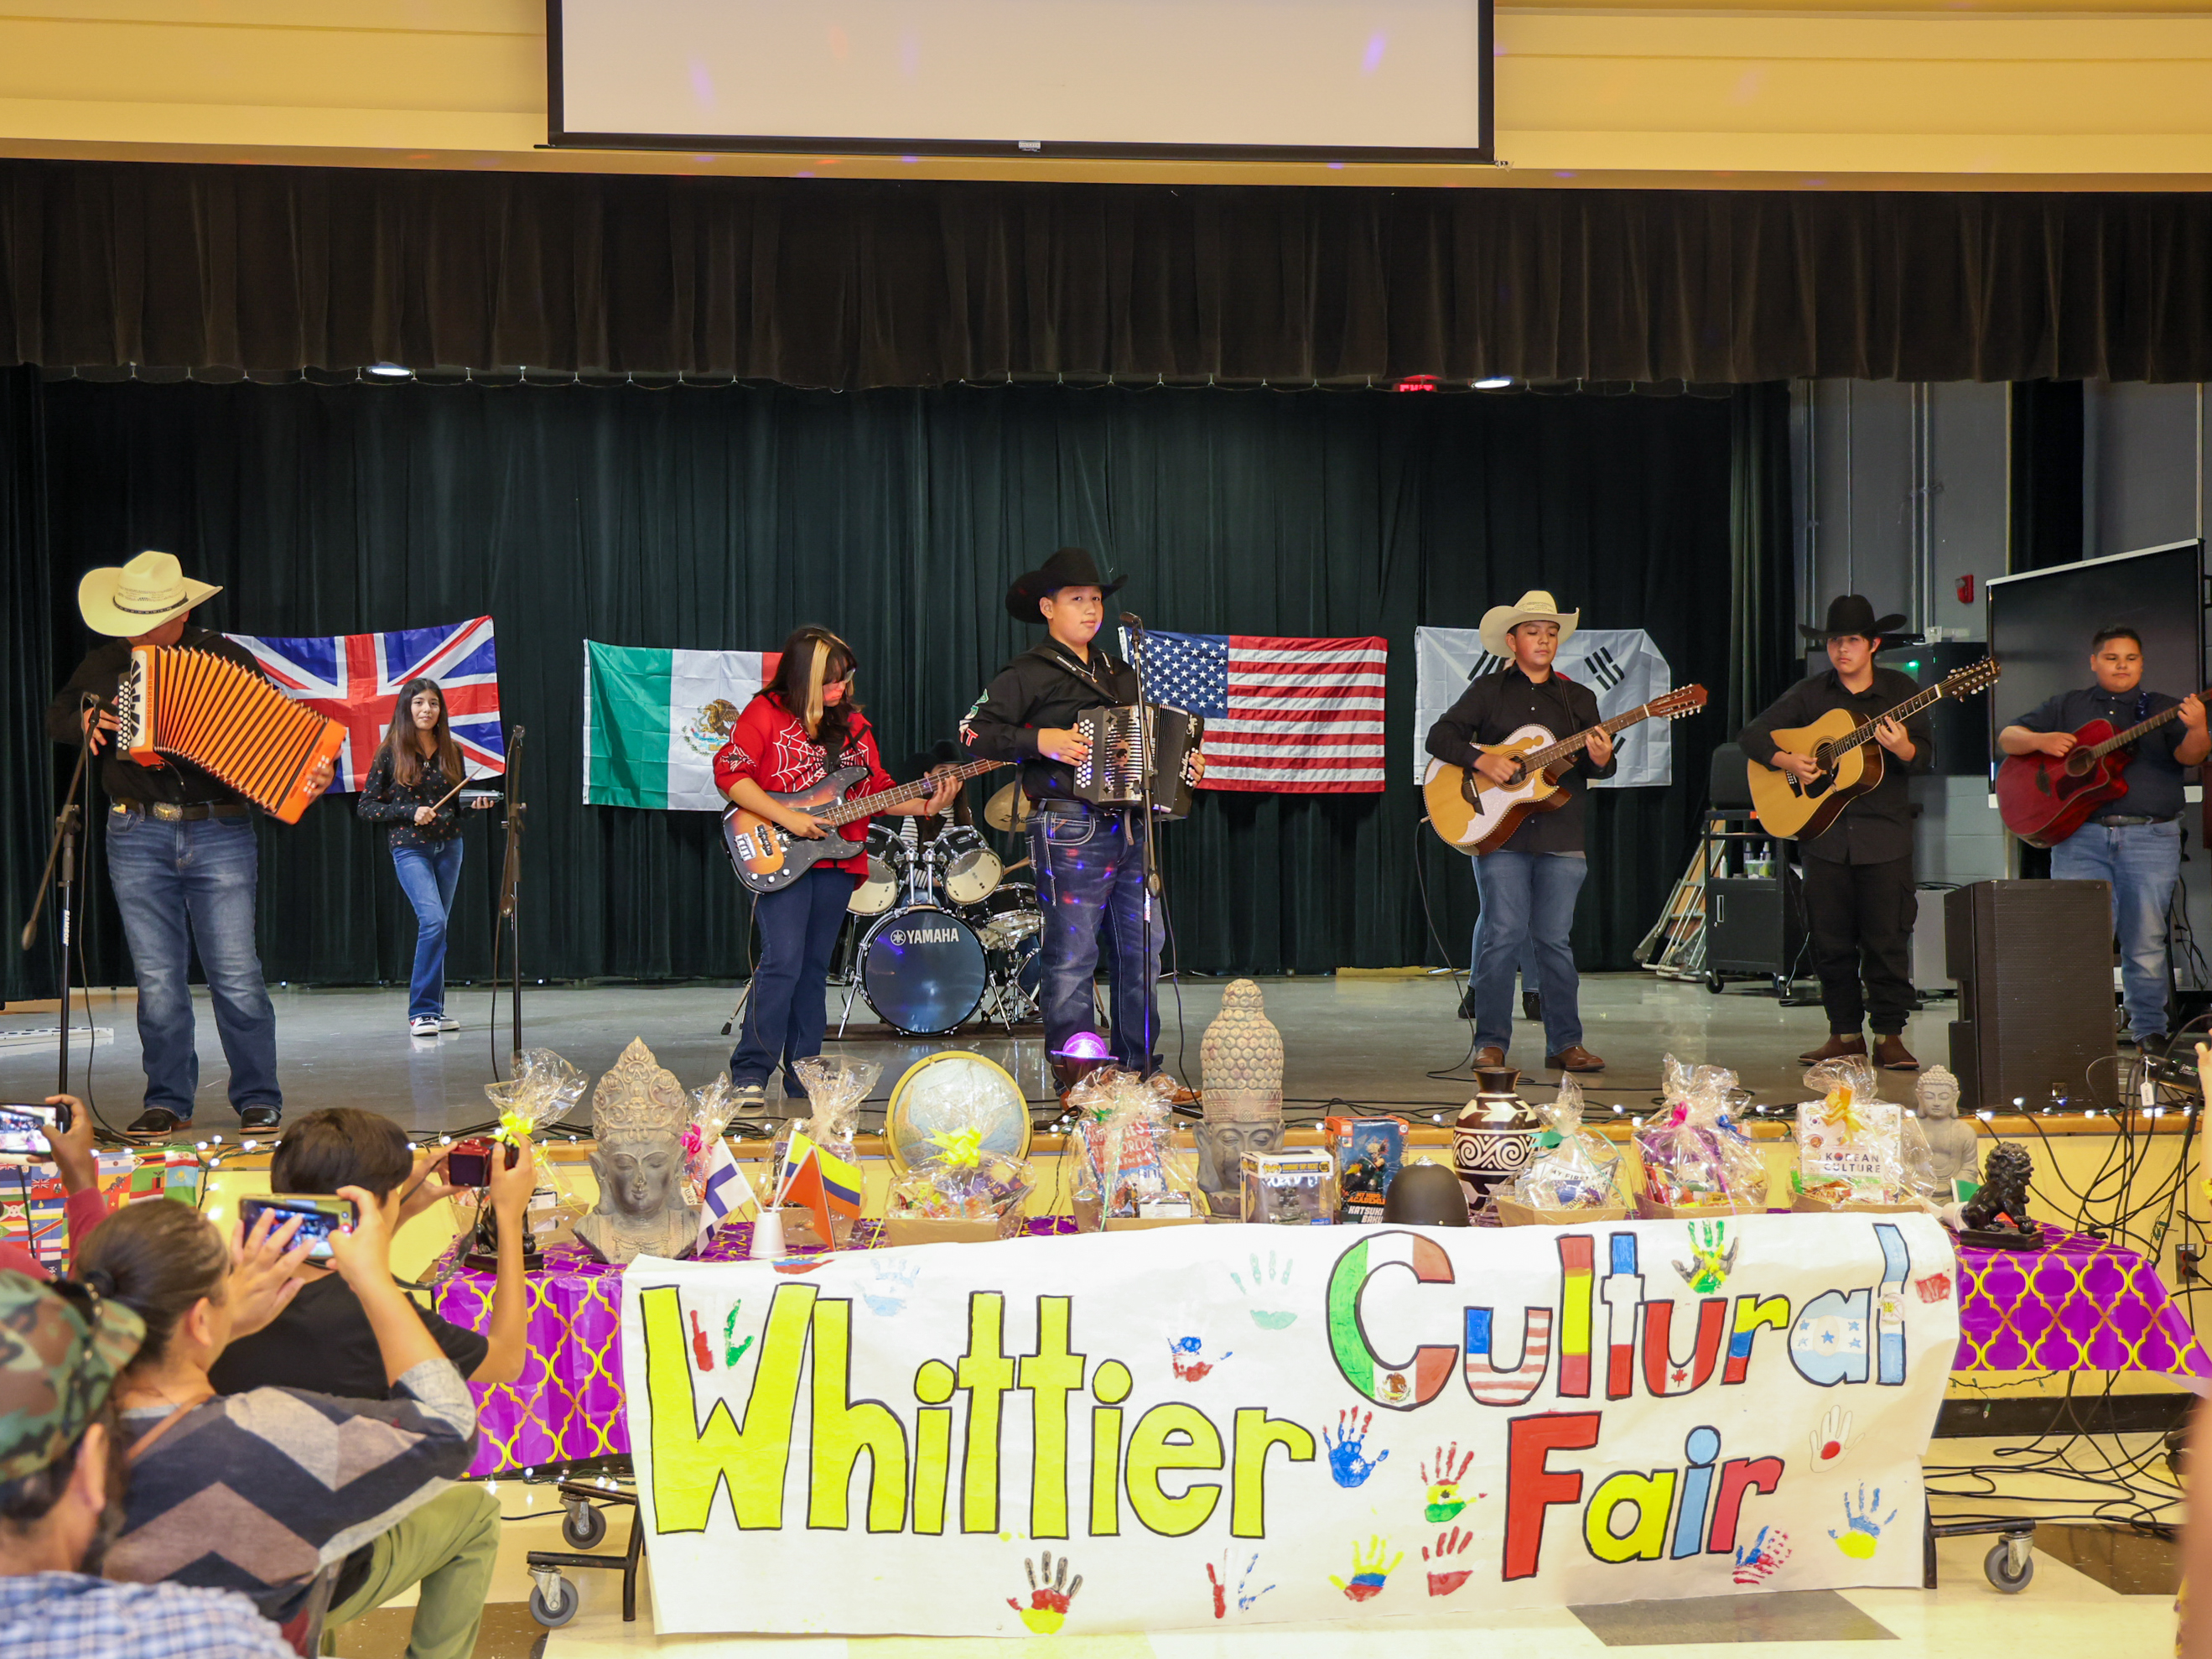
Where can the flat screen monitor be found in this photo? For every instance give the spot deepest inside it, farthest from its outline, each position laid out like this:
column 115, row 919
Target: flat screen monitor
column 1314, row 79
column 2040, row 622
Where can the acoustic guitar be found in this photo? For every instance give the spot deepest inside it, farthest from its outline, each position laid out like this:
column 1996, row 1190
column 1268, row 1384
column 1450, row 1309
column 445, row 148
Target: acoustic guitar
column 2044, row 799
column 1850, row 760
column 767, row 857
column 1478, row 814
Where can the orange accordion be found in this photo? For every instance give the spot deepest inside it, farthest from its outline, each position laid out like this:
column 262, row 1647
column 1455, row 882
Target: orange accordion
column 225, row 719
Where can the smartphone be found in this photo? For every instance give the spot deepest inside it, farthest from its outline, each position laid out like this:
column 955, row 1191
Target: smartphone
column 324, row 1216
column 21, row 1121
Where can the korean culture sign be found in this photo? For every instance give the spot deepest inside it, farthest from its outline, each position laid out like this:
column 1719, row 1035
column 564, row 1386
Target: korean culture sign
column 1181, row 1428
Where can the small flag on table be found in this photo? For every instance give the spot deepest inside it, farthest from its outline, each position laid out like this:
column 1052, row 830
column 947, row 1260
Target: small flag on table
column 725, row 1191
column 821, row 1181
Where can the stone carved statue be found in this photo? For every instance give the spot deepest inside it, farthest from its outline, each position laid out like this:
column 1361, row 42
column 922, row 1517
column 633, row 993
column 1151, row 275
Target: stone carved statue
column 639, row 1112
column 1241, row 1063
column 1953, row 1145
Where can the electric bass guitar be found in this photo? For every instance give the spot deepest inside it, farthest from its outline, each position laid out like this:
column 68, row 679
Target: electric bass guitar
column 2044, row 799
column 1850, row 760
column 767, row 857
column 1478, row 814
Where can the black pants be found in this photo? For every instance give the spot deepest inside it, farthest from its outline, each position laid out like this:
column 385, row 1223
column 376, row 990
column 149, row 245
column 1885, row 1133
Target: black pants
column 1862, row 917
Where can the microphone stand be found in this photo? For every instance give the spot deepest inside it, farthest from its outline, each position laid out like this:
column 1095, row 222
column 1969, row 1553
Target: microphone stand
column 1134, row 625
column 61, row 853
column 510, row 878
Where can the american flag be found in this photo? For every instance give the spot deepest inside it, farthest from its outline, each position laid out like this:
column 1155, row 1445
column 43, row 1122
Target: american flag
column 1282, row 716
column 355, row 678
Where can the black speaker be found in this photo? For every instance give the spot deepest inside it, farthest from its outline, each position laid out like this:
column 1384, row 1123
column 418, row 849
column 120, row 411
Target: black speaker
column 1753, row 926
column 2033, row 962
column 1960, row 725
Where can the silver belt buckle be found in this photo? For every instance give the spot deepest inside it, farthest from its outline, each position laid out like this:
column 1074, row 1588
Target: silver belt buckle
column 166, row 812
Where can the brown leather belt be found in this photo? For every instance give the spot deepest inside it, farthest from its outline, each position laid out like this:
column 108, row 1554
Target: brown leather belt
column 168, row 813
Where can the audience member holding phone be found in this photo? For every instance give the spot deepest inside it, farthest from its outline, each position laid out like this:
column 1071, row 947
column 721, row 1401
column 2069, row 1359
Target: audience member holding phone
column 70, row 1146
column 322, row 1340
column 240, row 1491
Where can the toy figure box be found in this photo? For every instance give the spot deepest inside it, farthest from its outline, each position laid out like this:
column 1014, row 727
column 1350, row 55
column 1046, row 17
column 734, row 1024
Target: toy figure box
column 1368, row 1151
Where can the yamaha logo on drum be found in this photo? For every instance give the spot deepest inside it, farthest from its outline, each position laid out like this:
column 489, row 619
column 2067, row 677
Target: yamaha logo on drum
column 925, row 936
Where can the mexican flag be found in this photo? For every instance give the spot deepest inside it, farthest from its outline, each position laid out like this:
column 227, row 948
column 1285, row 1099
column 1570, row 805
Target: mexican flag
column 654, row 719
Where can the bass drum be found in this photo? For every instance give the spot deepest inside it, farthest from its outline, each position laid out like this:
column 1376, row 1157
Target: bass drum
column 967, row 868
column 880, row 888
column 923, row 971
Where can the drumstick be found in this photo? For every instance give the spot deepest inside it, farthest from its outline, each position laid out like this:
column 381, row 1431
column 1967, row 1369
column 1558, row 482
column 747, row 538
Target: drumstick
column 451, row 792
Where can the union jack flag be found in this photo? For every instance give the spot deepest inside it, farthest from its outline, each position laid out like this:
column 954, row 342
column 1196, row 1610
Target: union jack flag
column 354, row 679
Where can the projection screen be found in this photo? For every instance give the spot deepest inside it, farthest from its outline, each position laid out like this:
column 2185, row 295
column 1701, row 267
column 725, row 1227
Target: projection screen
column 1310, row 79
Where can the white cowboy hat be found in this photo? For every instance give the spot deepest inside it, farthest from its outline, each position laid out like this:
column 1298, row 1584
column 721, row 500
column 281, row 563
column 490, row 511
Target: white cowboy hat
column 129, row 600
column 1535, row 605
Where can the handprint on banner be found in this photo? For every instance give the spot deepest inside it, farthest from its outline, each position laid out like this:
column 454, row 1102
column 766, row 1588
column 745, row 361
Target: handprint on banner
column 1936, row 1287
column 1246, row 1595
column 885, row 1293
column 1187, row 1355
column 1274, row 1285
column 1442, row 1482
column 1710, row 1263
column 1444, row 1578
column 1047, row 1608
column 1761, row 1558
column 1861, row 1533
column 1832, row 1438
column 733, row 1350
column 1348, row 1464
column 1369, row 1570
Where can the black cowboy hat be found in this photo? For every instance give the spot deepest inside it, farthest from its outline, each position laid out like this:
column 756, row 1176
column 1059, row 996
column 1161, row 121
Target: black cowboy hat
column 1071, row 567
column 1852, row 614
column 943, row 752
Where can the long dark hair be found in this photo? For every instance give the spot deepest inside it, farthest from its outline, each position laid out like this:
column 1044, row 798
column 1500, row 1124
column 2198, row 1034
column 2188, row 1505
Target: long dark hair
column 813, row 658
column 399, row 736
column 161, row 1258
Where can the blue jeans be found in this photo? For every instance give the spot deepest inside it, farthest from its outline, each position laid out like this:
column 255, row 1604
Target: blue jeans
column 2142, row 861
column 1527, row 901
column 183, row 888
column 788, row 1011
column 1090, row 866
column 428, row 875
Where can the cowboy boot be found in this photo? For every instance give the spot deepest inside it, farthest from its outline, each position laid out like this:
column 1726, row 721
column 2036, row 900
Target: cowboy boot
column 1840, row 1045
column 1891, row 1053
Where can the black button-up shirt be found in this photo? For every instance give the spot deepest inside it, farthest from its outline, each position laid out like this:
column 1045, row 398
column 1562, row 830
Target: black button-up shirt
column 179, row 783
column 1047, row 685
column 2154, row 776
column 1877, row 826
column 1496, row 705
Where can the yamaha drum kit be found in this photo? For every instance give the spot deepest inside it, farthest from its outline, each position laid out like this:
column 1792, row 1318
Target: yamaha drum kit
column 940, row 935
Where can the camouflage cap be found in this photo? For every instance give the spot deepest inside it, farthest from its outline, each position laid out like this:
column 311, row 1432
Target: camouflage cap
column 60, row 1351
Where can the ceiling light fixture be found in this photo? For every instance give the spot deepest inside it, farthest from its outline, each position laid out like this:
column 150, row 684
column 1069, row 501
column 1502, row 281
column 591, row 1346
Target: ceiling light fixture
column 390, row 371
column 1494, row 383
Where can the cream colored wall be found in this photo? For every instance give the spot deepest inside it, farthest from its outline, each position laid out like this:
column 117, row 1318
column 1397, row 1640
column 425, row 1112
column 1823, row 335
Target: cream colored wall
column 2089, row 93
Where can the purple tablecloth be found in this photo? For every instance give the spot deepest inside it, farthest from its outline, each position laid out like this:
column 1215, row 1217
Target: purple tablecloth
column 568, row 1402
column 2078, row 1305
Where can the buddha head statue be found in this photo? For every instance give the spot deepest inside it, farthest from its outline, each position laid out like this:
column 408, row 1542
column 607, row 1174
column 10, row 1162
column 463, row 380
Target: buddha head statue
column 1241, row 1058
column 1222, row 1143
column 1936, row 1095
column 639, row 1112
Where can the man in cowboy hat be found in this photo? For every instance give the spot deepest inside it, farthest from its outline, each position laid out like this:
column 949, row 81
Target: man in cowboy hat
column 181, row 857
column 1527, row 886
column 1088, row 860
column 1859, row 899
column 2133, row 844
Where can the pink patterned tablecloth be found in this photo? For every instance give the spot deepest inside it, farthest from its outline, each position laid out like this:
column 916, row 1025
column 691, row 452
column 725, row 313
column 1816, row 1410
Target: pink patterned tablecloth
column 567, row 1404
column 2078, row 1304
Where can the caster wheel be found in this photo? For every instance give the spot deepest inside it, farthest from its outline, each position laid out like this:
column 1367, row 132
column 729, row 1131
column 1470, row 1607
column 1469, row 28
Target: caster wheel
column 583, row 1526
column 2000, row 1575
column 561, row 1610
column 1713, row 983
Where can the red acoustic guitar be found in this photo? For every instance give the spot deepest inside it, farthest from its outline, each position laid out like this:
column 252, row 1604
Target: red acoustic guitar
column 2044, row 799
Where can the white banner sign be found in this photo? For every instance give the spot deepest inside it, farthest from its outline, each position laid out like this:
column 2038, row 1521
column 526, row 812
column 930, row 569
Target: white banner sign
column 1177, row 1429
column 1621, row 665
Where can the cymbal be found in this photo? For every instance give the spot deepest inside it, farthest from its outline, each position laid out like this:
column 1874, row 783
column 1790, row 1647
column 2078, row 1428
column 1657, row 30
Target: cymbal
column 1009, row 809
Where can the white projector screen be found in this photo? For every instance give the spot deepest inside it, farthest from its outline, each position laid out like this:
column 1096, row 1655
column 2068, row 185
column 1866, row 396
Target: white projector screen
column 1333, row 79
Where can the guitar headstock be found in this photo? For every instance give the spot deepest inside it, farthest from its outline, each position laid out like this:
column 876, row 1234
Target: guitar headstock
column 1974, row 677
column 1683, row 699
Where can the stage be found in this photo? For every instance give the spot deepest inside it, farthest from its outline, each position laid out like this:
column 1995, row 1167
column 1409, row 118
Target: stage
column 1371, row 1040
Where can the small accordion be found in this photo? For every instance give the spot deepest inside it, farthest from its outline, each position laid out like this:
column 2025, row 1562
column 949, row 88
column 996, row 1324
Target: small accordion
column 178, row 703
column 1113, row 775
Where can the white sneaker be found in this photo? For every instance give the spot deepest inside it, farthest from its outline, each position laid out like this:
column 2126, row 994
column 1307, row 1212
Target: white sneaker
column 748, row 1099
column 448, row 1023
column 427, row 1026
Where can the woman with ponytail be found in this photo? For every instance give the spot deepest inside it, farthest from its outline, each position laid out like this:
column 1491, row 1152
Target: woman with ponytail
column 804, row 725
column 258, row 1492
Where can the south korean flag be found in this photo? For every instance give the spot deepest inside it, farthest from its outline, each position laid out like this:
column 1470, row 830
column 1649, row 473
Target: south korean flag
column 1621, row 665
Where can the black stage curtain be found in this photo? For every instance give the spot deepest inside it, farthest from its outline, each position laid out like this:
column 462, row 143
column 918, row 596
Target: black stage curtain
column 718, row 519
column 853, row 284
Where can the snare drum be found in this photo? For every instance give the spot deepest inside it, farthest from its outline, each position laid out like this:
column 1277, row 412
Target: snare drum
column 880, row 888
column 1009, row 913
column 967, row 868
column 923, row 970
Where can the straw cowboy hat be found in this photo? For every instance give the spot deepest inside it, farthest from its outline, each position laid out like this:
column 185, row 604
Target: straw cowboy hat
column 129, row 600
column 1535, row 605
